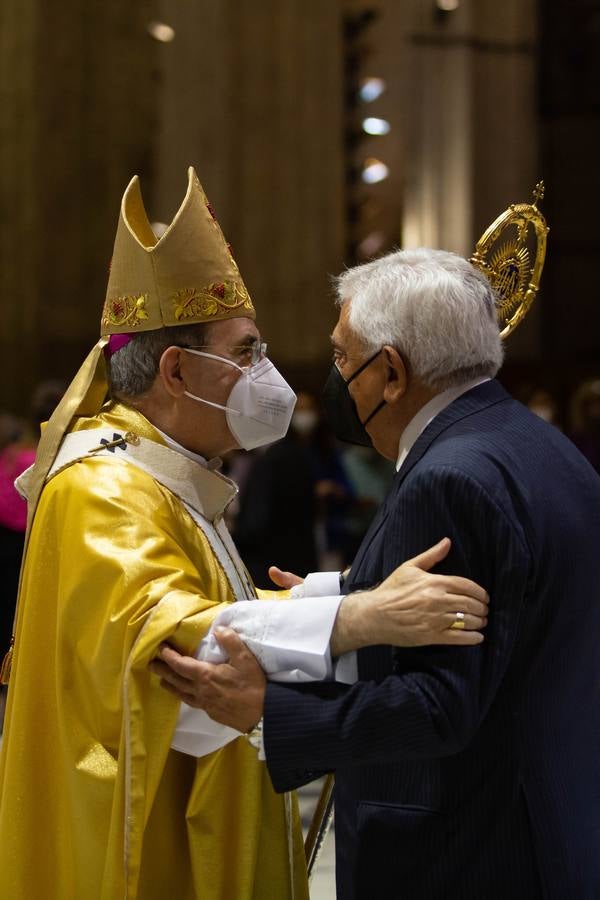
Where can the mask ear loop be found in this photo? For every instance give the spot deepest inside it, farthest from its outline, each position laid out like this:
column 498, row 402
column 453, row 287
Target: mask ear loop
column 216, row 405
column 353, row 376
column 224, row 359
column 358, row 371
column 364, row 366
column 374, row 413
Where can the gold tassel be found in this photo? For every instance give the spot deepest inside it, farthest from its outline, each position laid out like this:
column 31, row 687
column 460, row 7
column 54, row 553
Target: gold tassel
column 7, row 664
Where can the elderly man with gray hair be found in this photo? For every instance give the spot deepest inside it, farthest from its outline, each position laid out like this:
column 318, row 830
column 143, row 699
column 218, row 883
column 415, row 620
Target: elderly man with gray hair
column 460, row 774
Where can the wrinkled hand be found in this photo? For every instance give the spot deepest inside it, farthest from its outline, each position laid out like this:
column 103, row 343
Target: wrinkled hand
column 413, row 608
column 284, row 579
column 231, row 693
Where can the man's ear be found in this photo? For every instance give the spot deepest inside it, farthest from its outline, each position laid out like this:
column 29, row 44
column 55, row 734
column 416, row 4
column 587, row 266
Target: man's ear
column 169, row 369
column 397, row 376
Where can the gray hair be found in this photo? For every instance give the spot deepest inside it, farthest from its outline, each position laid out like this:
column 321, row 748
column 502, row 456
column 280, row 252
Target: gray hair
column 133, row 368
column 432, row 306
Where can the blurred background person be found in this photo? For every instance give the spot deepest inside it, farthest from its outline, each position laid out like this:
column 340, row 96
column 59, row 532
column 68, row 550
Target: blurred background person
column 335, row 499
column 306, row 502
column 10, row 428
column 16, row 456
column 543, row 403
column 585, row 420
column 369, row 475
column 276, row 518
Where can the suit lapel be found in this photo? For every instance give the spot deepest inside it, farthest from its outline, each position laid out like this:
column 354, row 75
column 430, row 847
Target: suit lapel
column 484, row 395
column 377, row 662
column 377, row 524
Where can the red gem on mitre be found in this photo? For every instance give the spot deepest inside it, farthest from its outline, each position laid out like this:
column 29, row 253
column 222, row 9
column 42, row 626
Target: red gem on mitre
column 117, row 307
column 218, row 290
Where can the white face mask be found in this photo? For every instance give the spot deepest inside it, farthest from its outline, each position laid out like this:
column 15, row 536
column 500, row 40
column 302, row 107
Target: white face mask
column 260, row 405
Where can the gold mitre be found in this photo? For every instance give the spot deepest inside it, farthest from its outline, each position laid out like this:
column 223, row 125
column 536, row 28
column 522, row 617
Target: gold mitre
column 186, row 276
column 504, row 253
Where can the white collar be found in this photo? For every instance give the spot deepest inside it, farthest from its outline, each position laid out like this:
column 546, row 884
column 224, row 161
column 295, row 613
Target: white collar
column 427, row 414
column 195, row 457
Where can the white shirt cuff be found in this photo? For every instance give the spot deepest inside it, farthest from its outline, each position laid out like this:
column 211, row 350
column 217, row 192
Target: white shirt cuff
column 345, row 668
column 317, row 584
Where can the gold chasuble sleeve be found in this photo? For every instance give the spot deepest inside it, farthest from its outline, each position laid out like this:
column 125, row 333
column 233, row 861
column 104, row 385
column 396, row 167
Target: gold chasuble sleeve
column 94, row 803
column 266, row 594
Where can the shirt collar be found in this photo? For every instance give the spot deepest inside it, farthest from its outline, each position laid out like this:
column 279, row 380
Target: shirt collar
column 427, row 414
column 195, row 457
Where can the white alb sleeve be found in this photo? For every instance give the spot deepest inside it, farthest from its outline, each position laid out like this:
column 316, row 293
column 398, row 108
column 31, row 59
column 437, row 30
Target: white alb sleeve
column 290, row 639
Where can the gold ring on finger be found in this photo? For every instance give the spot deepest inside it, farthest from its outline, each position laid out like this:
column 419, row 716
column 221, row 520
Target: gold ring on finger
column 459, row 621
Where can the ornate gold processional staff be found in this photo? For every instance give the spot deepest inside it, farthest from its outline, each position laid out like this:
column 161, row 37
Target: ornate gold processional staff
column 504, row 254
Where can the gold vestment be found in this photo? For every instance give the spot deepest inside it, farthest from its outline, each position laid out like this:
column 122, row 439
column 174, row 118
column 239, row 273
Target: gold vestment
column 94, row 804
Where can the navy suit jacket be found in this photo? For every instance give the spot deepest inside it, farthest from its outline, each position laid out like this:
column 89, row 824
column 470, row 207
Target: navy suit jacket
column 470, row 773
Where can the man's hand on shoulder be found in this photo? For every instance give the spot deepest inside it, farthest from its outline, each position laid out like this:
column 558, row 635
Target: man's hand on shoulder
column 413, row 608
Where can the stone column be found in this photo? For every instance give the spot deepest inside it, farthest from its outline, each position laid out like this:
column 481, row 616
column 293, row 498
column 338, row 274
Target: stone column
column 76, row 121
column 18, row 203
column 250, row 93
column 469, row 91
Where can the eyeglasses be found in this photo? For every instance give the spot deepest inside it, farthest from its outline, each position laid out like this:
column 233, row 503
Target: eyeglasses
column 254, row 352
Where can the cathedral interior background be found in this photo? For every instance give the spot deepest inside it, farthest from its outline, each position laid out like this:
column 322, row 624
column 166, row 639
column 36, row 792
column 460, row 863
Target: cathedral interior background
column 325, row 133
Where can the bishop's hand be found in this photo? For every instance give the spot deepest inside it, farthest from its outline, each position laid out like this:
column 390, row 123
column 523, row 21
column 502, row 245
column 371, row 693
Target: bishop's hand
column 232, row 693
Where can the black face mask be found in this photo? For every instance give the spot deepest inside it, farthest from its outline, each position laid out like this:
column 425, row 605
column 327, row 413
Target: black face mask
column 341, row 410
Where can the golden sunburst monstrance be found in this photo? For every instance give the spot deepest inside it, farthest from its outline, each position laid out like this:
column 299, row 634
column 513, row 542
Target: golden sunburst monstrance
column 503, row 255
